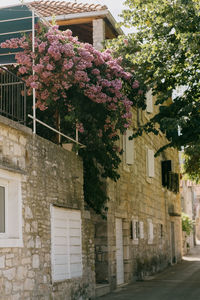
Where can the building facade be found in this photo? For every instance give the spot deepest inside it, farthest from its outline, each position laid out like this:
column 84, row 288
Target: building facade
column 51, row 247
column 46, row 238
column 142, row 234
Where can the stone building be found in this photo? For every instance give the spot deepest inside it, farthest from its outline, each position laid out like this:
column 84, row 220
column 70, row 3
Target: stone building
column 42, row 205
column 142, row 234
column 50, row 246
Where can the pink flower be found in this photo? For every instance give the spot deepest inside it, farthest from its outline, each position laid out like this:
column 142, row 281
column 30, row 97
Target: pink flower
column 45, row 95
column 23, row 70
column 50, row 67
column 80, row 128
column 46, row 74
column 95, row 72
column 126, row 42
column 68, row 64
column 38, row 68
column 135, row 84
column 42, row 46
column 34, row 85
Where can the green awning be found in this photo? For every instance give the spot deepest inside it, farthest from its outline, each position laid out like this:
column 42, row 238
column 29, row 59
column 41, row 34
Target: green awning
column 15, row 21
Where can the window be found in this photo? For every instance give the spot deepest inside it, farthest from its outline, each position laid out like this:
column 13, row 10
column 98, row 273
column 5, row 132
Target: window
column 149, row 101
column 150, row 232
column 161, row 231
column 170, row 180
column 10, row 210
column 128, row 147
column 66, row 254
column 150, row 163
column 2, row 209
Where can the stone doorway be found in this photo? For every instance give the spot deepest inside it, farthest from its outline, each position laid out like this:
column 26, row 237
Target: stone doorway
column 101, row 252
column 173, row 251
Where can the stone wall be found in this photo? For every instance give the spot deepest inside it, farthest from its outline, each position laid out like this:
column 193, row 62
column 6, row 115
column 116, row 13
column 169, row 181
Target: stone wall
column 50, row 175
column 137, row 196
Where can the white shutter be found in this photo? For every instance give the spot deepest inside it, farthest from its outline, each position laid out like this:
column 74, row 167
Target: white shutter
column 129, row 145
column 150, row 163
column 75, row 244
column 60, row 244
column 150, row 232
column 66, row 244
column 141, row 224
column 134, row 229
column 149, row 101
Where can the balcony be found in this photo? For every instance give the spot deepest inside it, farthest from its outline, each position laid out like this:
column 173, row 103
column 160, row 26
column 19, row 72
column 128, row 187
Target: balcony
column 12, row 96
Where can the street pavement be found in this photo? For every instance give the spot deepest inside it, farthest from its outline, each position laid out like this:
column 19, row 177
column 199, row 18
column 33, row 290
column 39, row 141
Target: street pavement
column 179, row 282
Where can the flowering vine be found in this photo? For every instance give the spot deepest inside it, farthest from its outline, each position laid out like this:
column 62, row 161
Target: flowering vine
column 90, row 91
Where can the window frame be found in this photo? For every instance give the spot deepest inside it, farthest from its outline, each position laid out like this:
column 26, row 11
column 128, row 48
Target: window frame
column 12, row 237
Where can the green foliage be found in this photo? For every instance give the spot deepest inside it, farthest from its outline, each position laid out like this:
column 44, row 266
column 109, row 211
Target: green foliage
column 164, row 52
column 191, row 165
column 187, row 223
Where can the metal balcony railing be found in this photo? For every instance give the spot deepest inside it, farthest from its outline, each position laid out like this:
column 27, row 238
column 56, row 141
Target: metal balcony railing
column 12, row 96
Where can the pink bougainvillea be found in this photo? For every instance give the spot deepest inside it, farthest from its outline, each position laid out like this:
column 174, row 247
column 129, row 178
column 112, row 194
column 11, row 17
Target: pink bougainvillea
column 89, row 90
column 60, row 62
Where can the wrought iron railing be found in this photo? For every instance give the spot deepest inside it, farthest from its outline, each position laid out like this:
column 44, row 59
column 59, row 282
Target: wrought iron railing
column 12, row 96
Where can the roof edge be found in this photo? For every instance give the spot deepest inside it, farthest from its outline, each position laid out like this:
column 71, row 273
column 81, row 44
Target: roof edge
column 104, row 13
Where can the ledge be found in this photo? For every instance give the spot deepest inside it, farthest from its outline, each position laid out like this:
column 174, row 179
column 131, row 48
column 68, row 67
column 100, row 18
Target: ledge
column 15, row 125
column 12, row 169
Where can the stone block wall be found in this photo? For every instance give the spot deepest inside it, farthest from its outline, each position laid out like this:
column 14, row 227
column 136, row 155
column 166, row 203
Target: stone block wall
column 137, row 196
column 50, row 175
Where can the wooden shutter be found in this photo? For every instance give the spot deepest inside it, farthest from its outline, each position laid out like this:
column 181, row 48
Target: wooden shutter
column 66, row 244
column 149, row 101
column 166, row 166
column 128, row 147
column 150, row 163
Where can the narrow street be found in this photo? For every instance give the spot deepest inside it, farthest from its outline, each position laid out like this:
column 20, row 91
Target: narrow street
column 179, row 282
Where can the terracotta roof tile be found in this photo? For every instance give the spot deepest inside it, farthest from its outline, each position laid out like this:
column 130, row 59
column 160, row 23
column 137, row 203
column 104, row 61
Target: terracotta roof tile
column 49, row 8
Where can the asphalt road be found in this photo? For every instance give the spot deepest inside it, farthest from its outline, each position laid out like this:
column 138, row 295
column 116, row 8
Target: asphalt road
column 179, row 282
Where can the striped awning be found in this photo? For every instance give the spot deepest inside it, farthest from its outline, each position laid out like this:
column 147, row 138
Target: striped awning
column 15, row 21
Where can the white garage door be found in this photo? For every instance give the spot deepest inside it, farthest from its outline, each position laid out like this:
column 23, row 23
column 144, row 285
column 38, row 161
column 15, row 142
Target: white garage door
column 66, row 250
